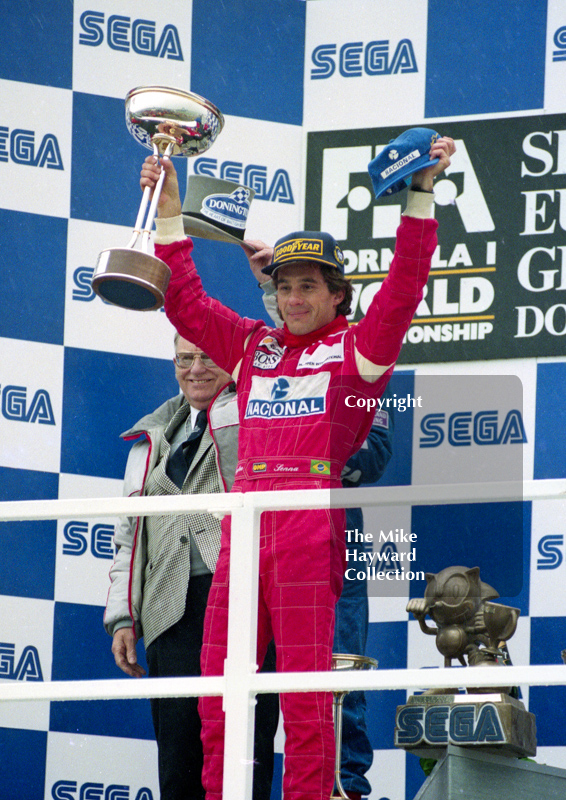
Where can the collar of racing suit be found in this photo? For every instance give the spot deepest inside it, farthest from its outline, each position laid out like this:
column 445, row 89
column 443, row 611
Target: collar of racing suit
column 290, row 340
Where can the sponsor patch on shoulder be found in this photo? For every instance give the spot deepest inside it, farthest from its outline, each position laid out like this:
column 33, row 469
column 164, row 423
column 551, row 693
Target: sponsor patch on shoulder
column 268, row 353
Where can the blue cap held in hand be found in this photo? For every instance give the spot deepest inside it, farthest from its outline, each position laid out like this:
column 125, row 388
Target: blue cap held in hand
column 406, row 154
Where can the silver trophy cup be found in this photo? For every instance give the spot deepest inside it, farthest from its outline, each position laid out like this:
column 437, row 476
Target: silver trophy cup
column 170, row 122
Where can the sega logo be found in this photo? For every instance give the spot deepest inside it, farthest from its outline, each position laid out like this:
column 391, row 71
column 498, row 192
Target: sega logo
column 463, row 427
column 467, row 724
column 278, row 190
column 355, row 58
column 560, row 43
column 83, row 291
column 15, row 406
column 28, row 667
column 70, row 790
column 23, row 150
column 550, row 548
column 82, row 278
column 122, row 32
column 77, row 538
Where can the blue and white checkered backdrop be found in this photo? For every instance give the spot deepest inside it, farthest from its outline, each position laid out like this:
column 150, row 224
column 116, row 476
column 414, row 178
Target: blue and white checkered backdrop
column 309, row 90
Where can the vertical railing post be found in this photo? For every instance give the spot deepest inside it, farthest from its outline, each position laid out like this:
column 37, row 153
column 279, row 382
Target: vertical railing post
column 240, row 664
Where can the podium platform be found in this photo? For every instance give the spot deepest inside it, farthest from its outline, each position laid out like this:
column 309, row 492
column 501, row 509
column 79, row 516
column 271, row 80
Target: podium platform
column 465, row 773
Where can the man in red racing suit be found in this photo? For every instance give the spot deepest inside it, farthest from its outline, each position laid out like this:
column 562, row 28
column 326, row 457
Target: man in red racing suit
column 296, row 432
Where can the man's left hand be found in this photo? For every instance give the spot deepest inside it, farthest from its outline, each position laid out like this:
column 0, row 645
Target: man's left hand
column 443, row 148
column 259, row 255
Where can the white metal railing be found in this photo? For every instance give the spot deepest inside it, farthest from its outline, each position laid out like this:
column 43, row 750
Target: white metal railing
column 240, row 682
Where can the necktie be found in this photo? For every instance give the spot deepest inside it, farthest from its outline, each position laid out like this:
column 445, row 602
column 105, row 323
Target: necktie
column 180, row 460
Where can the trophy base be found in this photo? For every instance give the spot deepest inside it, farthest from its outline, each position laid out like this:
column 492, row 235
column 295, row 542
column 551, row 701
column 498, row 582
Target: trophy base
column 131, row 279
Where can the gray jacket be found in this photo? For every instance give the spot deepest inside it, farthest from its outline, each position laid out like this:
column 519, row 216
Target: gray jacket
column 123, row 606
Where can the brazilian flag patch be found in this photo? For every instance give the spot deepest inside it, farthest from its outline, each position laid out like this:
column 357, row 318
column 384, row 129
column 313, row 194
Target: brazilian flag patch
column 320, row 467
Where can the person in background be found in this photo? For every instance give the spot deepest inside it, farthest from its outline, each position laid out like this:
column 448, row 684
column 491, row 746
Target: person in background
column 163, row 569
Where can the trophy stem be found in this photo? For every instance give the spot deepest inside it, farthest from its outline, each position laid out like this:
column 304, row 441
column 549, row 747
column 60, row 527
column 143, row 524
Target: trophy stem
column 146, row 232
column 143, row 208
column 140, row 217
column 153, row 207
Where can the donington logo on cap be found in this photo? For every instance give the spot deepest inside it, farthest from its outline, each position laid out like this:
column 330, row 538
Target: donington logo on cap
column 228, row 209
column 298, row 248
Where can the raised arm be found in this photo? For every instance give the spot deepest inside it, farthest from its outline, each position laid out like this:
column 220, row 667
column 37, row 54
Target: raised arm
column 217, row 329
column 379, row 335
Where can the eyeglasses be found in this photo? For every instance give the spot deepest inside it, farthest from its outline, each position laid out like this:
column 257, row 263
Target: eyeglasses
column 186, row 360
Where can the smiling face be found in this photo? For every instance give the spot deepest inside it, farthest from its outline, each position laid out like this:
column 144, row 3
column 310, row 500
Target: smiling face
column 199, row 382
column 304, row 299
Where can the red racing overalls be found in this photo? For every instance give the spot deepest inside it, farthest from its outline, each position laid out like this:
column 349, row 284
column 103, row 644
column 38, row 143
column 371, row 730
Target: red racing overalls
column 296, row 432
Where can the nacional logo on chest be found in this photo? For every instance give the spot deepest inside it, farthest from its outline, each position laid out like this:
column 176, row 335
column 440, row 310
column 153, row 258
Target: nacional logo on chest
column 268, row 353
column 287, row 396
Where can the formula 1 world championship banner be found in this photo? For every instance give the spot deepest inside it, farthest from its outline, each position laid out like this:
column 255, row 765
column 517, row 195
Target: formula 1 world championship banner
column 498, row 282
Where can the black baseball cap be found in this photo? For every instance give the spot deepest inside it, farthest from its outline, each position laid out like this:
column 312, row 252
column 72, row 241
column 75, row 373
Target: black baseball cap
column 315, row 246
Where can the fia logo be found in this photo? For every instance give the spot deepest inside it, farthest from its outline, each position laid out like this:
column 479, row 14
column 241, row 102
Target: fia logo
column 15, row 407
column 27, row 668
column 123, row 33
column 76, row 535
column 278, row 190
column 459, row 186
column 355, row 59
column 550, row 548
column 70, row 790
column 463, row 428
column 22, row 148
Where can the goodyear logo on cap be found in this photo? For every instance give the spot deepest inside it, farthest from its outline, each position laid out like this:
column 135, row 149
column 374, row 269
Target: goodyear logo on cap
column 298, row 248
column 320, row 467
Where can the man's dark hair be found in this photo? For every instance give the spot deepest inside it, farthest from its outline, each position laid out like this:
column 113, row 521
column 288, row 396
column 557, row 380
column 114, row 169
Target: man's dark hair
column 336, row 283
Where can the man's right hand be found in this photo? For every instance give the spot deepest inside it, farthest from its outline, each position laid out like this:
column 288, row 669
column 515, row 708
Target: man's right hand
column 169, row 200
column 259, row 255
column 124, row 649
